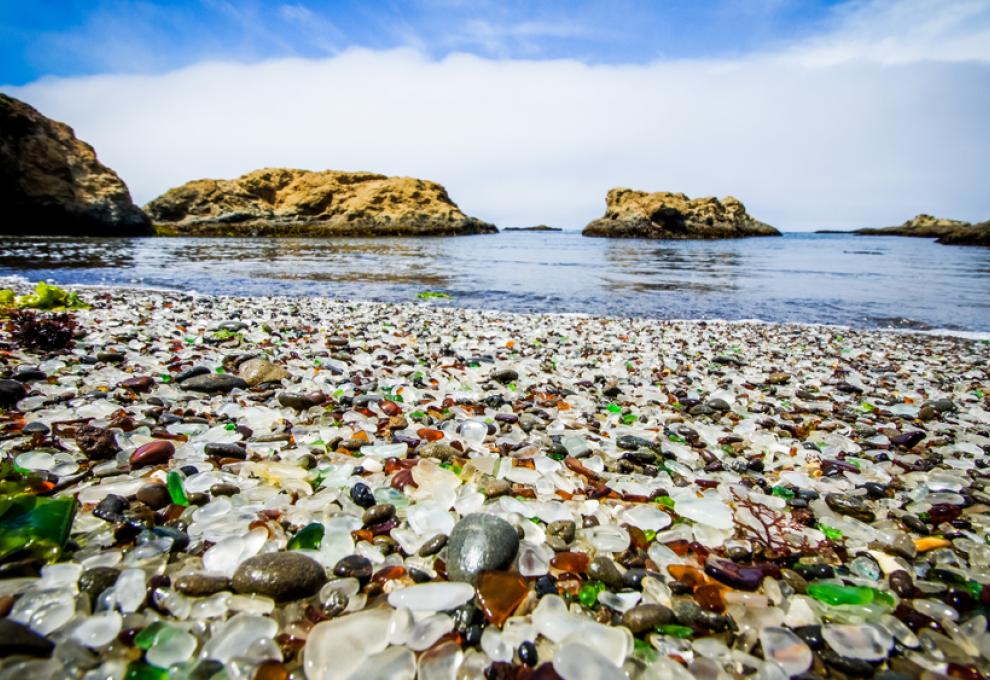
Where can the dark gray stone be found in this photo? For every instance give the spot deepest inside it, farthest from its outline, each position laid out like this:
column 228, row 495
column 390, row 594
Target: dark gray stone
column 283, row 576
column 646, row 617
column 214, row 383
column 480, row 542
column 201, row 585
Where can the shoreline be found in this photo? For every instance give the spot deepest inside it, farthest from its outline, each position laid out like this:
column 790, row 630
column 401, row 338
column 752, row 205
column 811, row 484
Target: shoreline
column 292, row 475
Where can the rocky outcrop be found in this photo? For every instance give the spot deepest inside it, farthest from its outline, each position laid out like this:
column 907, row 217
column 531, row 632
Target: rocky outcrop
column 663, row 215
column 538, row 227
column 52, row 183
column 284, row 202
column 951, row 232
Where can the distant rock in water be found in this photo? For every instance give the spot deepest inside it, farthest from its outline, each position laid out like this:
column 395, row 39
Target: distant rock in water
column 285, row 202
column 663, row 215
column 52, row 183
column 950, row 232
column 539, row 227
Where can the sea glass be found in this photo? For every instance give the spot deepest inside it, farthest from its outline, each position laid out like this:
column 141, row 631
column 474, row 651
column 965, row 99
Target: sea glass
column 308, row 538
column 34, row 527
column 175, row 489
column 835, row 594
column 499, row 594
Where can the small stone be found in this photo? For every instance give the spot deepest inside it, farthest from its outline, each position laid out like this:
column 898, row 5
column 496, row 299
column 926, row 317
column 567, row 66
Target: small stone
column 354, row 566
column 560, row 534
column 362, row 496
column 153, row 453
column 301, row 402
column 603, row 569
column 192, row 373
column 442, row 452
column 646, row 617
column 138, row 384
column 213, row 383
column 777, row 378
column 95, row 580
column 380, row 512
column 11, row 392
column 493, row 487
column 201, row 585
column 283, row 576
column 96, row 443
column 16, row 638
column 110, row 357
column 258, row 371
column 433, row 545
column 854, row 506
column 111, row 508
column 480, row 542
column 505, row 376
column 735, row 575
column 224, row 489
column 155, row 496
column 225, row 450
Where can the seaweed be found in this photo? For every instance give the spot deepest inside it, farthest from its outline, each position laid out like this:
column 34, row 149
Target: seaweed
column 44, row 332
column 46, row 297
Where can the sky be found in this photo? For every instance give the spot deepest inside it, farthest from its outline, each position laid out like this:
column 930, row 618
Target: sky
column 814, row 113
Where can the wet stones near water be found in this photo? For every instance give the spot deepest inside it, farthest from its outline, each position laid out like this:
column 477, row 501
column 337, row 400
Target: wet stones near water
column 214, row 383
column 16, row 638
column 155, row 496
column 480, row 542
column 282, row 576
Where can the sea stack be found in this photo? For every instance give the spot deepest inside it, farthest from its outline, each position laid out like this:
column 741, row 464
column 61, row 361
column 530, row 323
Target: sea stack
column 51, row 183
column 287, row 202
column 946, row 231
column 664, row 215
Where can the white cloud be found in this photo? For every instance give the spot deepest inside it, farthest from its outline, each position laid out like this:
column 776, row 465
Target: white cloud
column 805, row 141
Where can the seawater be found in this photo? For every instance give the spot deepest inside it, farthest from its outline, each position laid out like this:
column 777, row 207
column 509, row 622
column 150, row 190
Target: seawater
column 859, row 281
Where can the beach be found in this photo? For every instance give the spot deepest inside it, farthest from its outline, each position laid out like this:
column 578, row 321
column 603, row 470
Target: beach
column 274, row 486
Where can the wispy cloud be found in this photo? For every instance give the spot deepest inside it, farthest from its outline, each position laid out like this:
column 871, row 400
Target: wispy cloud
column 858, row 138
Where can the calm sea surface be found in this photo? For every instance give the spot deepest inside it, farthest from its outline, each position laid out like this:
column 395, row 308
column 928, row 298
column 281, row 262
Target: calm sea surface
column 859, row 281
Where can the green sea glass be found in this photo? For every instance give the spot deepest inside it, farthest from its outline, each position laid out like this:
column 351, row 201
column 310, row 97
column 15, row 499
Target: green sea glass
column 148, row 636
column 175, row 489
column 835, row 594
column 308, row 538
column 142, row 671
column 34, row 527
column 588, row 595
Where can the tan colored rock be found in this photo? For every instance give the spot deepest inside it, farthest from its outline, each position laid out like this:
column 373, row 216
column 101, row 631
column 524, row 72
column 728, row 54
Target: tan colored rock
column 284, row 202
column 257, row 371
column 52, row 183
column 663, row 215
column 951, row 232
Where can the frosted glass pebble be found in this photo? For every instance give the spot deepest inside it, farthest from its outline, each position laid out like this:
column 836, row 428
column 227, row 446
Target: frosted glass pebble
column 235, row 636
column 99, row 629
column 786, row 648
column 441, row 662
column 432, row 597
column 385, row 450
column 52, row 615
column 608, row 538
column 426, row 632
column 710, row 512
column 576, row 662
column 130, row 590
column 858, row 641
column 392, row 664
column 495, row 646
column 172, row 646
column 647, row 516
column 339, row 647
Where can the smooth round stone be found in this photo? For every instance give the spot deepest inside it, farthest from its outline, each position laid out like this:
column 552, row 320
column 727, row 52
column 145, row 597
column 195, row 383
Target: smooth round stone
column 201, row 585
column 354, row 566
column 97, row 579
column 155, row 496
column 139, row 384
column 99, row 629
column 574, row 661
column 213, row 383
column 603, row 569
column 339, row 647
column 786, row 648
column 282, row 576
column 153, row 453
column 11, row 392
column 646, row 617
column 858, row 641
column 432, row 597
column 17, row 638
column 480, row 542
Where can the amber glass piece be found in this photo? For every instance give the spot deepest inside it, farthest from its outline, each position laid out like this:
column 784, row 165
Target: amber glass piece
column 360, row 436
column 574, row 562
column 709, row 596
column 688, row 575
column 271, row 670
column 429, row 434
column 389, row 573
column 638, row 537
column 681, row 548
column 390, row 408
column 500, row 593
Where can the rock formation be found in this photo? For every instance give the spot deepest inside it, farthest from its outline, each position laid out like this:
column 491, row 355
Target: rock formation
column 52, row 183
column 538, row 227
column 284, row 202
column 663, row 215
column 952, row 232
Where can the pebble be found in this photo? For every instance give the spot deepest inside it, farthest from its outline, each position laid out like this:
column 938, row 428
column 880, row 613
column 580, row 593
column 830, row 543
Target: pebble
column 354, row 566
column 258, row 371
column 11, row 392
column 214, row 383
column 155, row 496
column 152, row 453
column 477, row 543
column 283, row 576
column 645, row 617
column 16, row 638
column 201, row 585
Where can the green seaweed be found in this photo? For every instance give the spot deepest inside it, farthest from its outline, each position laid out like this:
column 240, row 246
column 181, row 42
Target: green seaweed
column 432, row 295
column 45, row 296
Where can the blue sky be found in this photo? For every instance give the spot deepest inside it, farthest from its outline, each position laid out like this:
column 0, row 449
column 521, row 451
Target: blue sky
column 81, row 37
column 814, row 114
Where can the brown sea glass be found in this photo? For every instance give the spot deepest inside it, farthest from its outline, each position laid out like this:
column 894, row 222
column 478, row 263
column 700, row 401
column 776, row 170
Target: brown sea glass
column 500, row 593
column 574, row 562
